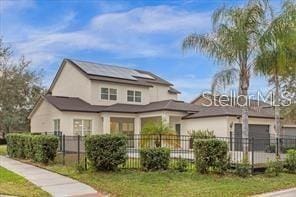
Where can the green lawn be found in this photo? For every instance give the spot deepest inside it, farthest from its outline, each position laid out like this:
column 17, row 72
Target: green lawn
column 3, row 150
column 137, row 183
column 13, row 184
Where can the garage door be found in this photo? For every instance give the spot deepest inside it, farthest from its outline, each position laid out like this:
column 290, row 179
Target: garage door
column 289, row 139
column 290, row 131
column 259, row 132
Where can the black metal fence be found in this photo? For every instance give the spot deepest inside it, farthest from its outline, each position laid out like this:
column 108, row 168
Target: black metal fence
column 71, row 149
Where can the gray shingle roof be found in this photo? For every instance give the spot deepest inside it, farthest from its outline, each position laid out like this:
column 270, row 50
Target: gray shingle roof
column 194, row 111
column 71, row 104
column 214, row 111
column 76, row 104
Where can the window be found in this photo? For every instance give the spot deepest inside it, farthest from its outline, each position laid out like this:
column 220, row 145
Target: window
column 134, row 96
column 109, row 94
column 104, row 93
column 56, row 125
column 138, row 96
column 130, row 96
column 113, row 94
column 82, row 127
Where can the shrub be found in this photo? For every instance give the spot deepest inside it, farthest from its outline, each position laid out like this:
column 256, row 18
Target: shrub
column 291, row 160
column 270, row 148
column 44, row 148
column 243, row 169
column 274, row 167
column 106, row 152
column 202, row 134
column 181, row 165
column 155, row 158
column 210, row 153
column 40, row 148
column 285, row 149
column 15, row 145
column 28, row 146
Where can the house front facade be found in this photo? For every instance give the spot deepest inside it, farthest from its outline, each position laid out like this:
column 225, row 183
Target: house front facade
column 90, row 98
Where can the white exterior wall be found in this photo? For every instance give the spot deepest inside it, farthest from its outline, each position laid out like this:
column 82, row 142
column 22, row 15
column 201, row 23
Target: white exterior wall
column 121, row 93
column 42, row 119
column 149, row 94
column 72, row 83
column 217, row 124
column 160, row 92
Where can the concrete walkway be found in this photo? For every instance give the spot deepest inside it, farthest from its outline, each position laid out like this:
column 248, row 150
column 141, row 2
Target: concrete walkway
column 282, row 193
column 55, row 184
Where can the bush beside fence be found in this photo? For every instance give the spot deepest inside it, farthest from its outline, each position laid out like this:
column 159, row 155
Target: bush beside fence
column 106, row 152
column 40, row 148
column 155, row 158
column 210, row 154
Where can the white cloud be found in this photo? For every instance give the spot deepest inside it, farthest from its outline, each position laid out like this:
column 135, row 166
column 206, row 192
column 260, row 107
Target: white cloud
column 191, row 86
column 15, row 5
column 134, row 33
column 153, row 20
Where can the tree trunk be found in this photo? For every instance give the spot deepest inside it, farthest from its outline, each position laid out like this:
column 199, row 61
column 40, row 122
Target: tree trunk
column 277, row 110
column 245, row 127
column 245, row 112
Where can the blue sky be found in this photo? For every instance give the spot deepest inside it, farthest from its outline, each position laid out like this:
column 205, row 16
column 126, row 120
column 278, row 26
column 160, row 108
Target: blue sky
column 139, row 34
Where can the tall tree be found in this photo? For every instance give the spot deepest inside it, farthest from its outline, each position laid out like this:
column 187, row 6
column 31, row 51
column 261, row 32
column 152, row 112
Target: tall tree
column 277, row 55
column 20, row 88
column 233, row 44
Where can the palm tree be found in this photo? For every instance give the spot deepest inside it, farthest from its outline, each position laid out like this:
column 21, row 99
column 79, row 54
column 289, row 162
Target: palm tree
column 277, row 54
column 159, row 134
column 233, row 44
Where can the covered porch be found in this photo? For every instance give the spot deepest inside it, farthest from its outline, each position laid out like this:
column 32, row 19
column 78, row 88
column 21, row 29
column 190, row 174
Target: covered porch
column 133, row 124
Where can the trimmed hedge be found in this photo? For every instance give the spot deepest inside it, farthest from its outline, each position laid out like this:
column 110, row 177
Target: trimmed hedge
column 106, row 152
column 210, row 154
column 155, row 158
column 40, row 148
column 291, row 161
column 44, row 148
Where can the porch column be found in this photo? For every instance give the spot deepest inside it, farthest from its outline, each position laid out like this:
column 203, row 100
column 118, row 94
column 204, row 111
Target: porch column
column 137, row 122
column 165, row 118
column 137, row 131
column 106, row 124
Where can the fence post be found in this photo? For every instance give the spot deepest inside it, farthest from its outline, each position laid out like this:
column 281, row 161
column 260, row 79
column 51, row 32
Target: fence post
column 64, row 149
column 78, row 149
column 252, row 144
column 230, row 141
column 61, row 141
column 160, row 138
column 277, row 146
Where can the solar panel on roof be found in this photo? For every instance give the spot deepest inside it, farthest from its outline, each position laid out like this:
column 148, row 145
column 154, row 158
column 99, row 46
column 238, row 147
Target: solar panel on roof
column 110, row 71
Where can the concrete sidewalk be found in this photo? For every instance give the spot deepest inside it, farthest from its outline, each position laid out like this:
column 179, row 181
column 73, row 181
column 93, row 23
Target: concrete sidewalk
column 283, row 193
column 55, row 184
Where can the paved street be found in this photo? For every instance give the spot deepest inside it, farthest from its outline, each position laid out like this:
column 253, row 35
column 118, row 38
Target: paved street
column 282, row 193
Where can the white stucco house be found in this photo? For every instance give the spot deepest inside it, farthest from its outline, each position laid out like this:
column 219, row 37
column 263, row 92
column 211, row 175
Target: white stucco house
column 92, row 98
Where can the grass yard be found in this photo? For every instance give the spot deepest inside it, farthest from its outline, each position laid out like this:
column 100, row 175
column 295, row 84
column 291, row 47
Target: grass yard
column 137, row 183
column 3, row 150
column 13, row 184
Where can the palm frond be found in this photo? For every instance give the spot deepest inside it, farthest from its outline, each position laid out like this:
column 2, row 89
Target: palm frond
column 224, row 78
